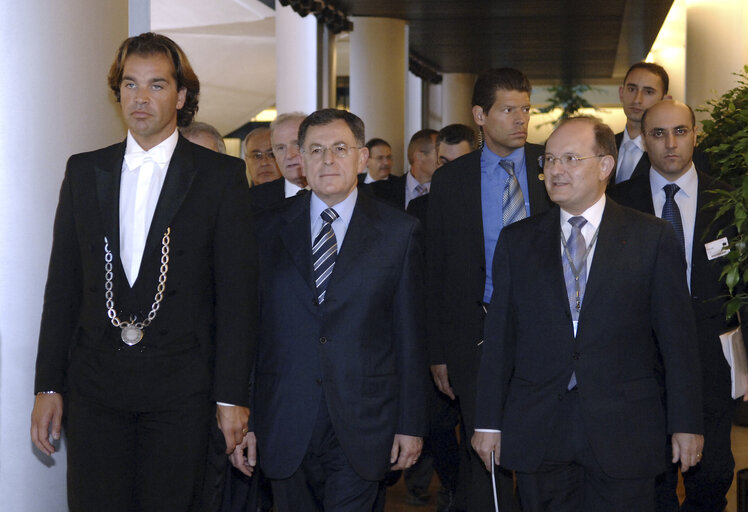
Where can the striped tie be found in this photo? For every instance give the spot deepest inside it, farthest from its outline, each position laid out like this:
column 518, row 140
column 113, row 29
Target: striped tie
column 576, row 248
column 324, row 251
column 512, row 201
column 671, row 213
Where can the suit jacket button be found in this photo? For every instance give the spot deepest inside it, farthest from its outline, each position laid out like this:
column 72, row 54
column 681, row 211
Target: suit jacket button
column 575, row 356
column 323, row 340
column 560, row 396
column 318, row 381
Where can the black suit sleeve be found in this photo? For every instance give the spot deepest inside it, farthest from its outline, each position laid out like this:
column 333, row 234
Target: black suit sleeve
column 62, row 295
column 236, row 309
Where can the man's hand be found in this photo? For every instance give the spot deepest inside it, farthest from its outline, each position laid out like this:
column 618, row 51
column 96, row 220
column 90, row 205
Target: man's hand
column 232, row 420
column 484, row 443
column 47, row 410
column 405, row 451
column 441, row 379
column 245, row 464
column 687, row 449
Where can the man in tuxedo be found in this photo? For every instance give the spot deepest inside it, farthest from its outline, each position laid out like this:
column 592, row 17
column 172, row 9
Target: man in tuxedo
column 137, row 378
column 340, row 374
column 285, row 144
column 400, row 190
column 379, row 165
column 258, row 154
column 587, row 297
column 675, row 190
column 472, row 198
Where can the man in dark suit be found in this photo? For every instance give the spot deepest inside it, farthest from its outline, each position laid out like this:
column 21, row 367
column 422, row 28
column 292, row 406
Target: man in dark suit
column 340, row 375
column 471, row 200
column 669, row 137
column 259, row 157
column 401, row 190
column 586, row 297
column 284, row 138
column 379, row 165
column 141, row 376
column 645, row 84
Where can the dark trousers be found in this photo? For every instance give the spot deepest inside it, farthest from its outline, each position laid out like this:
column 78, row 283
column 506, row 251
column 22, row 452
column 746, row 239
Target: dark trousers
column 479, row 492
column 706, row 484
column 325, row 481
column 570, row 479
column 126, row 461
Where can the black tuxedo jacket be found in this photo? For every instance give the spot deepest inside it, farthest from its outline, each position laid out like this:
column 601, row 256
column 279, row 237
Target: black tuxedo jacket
column 201, row 341
column 708, row 291
column 363, row 348
column 635, row 307
column 266, row 195
column 391, row 190
column 456, row 262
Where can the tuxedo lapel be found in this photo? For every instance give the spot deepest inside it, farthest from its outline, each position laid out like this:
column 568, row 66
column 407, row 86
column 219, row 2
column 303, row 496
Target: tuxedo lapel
column 297, row 237
column 178, row 180
column 108, row 176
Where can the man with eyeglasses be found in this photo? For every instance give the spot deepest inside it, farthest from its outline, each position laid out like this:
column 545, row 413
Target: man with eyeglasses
column 400, row 190
column 587, row 297
column 471, row 200
column 675, row 189
column 285, row 145
column 258, row 154
column 340, row 376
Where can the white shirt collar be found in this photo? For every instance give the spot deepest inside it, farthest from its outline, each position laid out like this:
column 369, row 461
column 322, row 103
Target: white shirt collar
column 290, row 189
column 637, row 140
column 688, row 183
column 593, row 215
column 160, row 153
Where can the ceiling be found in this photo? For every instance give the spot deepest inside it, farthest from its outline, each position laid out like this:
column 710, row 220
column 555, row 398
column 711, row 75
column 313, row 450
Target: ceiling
column 547, row 39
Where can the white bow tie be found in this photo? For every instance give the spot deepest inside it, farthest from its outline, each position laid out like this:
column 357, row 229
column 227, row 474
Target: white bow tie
column 135, row 158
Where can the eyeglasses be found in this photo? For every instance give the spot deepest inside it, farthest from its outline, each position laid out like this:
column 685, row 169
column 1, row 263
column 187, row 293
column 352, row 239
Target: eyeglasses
column 566, row 161
column 317, row 152
column 678, row 131
column 261, row 155
column 282, row 148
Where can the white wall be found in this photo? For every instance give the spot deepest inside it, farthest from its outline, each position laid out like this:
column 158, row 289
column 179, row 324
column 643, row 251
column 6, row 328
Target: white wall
column 54, row 101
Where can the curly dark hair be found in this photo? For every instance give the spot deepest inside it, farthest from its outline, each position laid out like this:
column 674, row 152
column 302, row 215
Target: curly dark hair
column 149, row 43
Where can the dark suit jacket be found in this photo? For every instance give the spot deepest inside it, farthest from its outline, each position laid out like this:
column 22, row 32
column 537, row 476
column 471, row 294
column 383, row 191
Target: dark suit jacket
column 266, row 195
column 391, row 190
column 419, row 208
column 201, row 341
column 456, row 262
column 636, row 290
column 363, row 347
column 708, row 291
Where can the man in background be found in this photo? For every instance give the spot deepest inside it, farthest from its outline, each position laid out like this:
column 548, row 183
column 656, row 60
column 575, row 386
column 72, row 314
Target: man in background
column 258, row 155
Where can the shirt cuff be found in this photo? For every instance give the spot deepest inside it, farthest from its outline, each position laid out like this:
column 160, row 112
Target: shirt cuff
column 227, row 405
column 488, row 430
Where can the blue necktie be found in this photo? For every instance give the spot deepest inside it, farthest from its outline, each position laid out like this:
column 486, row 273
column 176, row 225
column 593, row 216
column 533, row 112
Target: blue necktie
column 576, row 247
column 512, row 200
column 324, row 252
column 671, row 213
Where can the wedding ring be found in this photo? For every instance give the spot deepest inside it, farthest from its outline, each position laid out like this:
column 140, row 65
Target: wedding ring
column 245, row 430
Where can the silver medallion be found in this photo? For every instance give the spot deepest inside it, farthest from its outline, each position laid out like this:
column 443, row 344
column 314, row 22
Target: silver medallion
column 132, row 335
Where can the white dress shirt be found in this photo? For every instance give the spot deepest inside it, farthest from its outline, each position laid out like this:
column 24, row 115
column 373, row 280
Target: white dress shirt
column 143, row 175
column 686, row 199
column 628, row 159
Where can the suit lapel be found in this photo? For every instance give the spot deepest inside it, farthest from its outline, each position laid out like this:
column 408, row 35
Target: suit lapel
column 363, row 229
column 547, row 244
column 297, row 237
column 471, row 203
column 108, row 176
column 610, row 242
column 178, row 180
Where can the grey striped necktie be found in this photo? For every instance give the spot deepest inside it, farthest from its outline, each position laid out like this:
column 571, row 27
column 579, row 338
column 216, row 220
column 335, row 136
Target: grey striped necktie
column 576, row 250
column 512, row 200
column 324, row 252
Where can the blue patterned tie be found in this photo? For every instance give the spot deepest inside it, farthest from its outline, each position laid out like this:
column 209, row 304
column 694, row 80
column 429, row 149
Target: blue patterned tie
column 512, row 200
column 576, row 247
column 324, row 252
column 671, row 213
